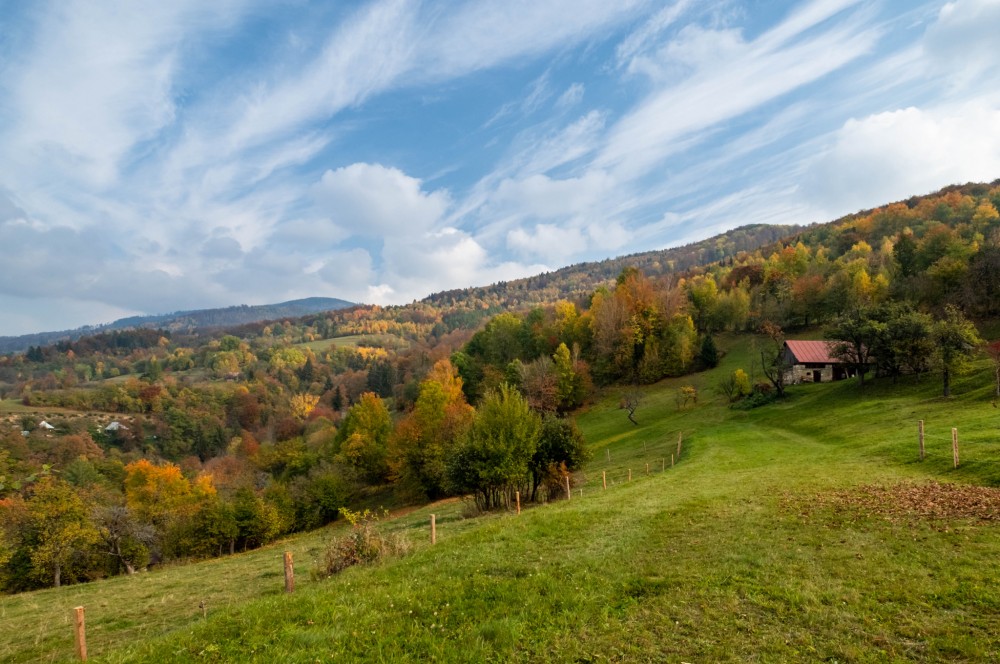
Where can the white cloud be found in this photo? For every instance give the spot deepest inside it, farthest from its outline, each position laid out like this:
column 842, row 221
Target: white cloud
column 963, row 40
column 546, row 241
column 450, row 258
column 97, row 80
column 373, row 200
column 572, row 96
column 893, row 155
column 349, row 272
column 316, row 234
column 662, row 124
column 484, row 34
column 543, row 197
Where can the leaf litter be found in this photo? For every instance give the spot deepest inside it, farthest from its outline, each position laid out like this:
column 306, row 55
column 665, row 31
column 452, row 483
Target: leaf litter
column 903, row 501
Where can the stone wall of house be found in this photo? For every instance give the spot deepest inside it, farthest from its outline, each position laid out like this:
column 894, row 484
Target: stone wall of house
column 799, row 373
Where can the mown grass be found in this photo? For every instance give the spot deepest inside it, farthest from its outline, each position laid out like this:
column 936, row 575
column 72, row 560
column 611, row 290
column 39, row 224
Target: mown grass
column 728, row 556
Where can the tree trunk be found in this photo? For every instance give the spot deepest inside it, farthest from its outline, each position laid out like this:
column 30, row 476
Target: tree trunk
column 129, row 568
column 58, row 575
column 947, row 383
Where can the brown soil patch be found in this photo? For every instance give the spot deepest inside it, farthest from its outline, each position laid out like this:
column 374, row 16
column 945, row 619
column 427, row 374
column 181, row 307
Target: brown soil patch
column 928, row 500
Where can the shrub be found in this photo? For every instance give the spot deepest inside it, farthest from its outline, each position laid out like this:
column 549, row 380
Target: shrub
column 364, row 545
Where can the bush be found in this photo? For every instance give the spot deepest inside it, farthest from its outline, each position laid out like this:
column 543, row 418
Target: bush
column 762, row 395
column 364, row 545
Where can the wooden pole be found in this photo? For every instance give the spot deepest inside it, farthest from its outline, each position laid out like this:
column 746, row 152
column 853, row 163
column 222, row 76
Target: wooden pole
column 604, row 479
column 671, row 460
column 680, row 436
column 629, row 474
column 954, row 445
column 434, row 529
column 289, row 573
column 647, row 469
column 80, row 629
column 920, row 437
column 517, row 497
column 569, row 494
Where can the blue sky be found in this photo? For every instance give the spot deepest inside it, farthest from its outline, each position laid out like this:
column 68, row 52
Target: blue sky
column 164, row 156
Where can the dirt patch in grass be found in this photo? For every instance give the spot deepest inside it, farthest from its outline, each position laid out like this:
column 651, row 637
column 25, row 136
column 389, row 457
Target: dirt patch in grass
column 927, row 500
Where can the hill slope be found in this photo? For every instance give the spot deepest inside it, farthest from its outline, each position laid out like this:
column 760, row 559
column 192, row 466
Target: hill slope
column 184, row 321
column 762, row 542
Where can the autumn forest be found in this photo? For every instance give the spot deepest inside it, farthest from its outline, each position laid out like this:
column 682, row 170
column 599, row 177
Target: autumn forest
column 132, row 448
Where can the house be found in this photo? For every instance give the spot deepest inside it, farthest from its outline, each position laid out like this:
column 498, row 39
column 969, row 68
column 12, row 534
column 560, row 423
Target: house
column 116, row 426
column 813, row 362
column 45, row 425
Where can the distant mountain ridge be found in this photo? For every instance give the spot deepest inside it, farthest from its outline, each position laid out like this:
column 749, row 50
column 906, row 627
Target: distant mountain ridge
column 581, row 279
column 185, row 321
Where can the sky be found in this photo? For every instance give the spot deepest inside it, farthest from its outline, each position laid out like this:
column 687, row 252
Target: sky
column 165, row 156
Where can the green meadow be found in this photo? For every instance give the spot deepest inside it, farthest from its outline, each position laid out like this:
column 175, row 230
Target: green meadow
column 805, row 530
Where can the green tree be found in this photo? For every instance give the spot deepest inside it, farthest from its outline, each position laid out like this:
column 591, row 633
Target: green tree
column 955, row 342
column 58, row 530
column 709, row 353
column 561, row 448
column 363, row 439
column 493, row 459
column 855, row 334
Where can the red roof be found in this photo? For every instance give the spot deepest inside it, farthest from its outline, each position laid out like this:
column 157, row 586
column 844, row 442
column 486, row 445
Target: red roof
column 813, row 352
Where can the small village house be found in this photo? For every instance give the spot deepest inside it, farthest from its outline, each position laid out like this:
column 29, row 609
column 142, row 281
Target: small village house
column 813, row 362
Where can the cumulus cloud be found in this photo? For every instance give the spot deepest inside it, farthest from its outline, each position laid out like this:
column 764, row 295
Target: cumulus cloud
column 440, row 260
column 893, row 155
column 377, row 201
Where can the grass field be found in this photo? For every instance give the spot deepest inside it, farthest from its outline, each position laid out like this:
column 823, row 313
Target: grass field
column 354, row 340
column 764, row 542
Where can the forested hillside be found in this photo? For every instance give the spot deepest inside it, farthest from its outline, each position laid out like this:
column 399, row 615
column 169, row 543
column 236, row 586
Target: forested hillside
column 160, row 445
column 187, row 321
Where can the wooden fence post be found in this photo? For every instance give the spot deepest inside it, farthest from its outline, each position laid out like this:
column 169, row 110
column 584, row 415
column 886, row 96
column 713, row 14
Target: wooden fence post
column 671, row 460
column 920, row 437
column 289, row 573
column 604, row 479
column 434, row 530
column 680, row 436
column 954, row 445
column 80, row 630
column 517, row 497
column 629, row 474
column 569, row 494
column 647, row 469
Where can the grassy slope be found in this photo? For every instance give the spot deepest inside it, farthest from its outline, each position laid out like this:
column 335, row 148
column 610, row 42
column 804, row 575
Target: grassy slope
column 721, row 558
